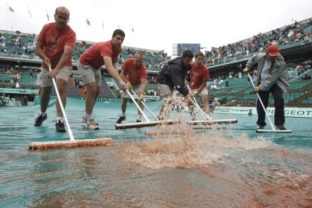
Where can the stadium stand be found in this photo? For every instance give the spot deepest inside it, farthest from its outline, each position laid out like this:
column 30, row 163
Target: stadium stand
column 19, row 64
column 228, row 86
column 232, row 88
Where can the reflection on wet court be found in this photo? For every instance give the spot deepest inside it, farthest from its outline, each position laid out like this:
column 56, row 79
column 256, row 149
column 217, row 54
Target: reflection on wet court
column 177, row 166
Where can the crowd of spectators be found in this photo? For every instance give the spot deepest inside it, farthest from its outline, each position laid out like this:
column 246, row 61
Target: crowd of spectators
column 11, row 75
column 300, row 70
column 17, row 44
column 296, row 32
column 22, row 45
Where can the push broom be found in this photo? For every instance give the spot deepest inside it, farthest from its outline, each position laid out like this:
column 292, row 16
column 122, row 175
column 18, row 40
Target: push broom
column 207, row 120
column 145, row 106
column 72, row 141
column 147, row 122
column 273, row 130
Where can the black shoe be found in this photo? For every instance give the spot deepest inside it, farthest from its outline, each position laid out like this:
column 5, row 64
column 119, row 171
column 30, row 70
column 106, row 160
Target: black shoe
column 60, row 127
column 138, row 121
column 40, row 119
column 280, row 127
column 120, row 119
column 260, row 127
column 160, row 117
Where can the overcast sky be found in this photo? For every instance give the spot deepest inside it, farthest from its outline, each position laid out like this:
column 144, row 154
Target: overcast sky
column 159, row 24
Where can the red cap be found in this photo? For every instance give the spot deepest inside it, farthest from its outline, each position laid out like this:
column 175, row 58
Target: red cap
column 273, row 50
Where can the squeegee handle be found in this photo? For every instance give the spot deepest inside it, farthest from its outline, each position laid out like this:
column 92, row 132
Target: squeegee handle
column 137, row 105
column 260, row 100
column 69, row 131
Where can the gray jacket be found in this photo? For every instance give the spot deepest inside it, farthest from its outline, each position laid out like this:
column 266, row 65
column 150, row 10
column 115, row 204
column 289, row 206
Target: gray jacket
column 278, row 72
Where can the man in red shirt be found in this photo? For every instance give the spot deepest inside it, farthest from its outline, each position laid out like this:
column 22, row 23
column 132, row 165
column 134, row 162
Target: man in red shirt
column 89, row 65
column 134, row 74
column 55, row 46
column 199, row 76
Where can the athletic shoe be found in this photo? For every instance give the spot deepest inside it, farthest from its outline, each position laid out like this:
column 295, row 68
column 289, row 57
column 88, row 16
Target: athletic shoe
column 84, row 119
column 121, row 119
column 41, row 118
column 91, row 124
column 280, row 127
column 260, row 127
column 160, row 118
column 60, row 127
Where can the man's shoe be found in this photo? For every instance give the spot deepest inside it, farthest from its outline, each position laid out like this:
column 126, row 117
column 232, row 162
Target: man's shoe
column 280, row 127
column 162, row 116
column 40, row 119
column 60, row 127
column 121, row 119
column 91, row 124
column 260, row 127
column 84, row 119
column 138, row 121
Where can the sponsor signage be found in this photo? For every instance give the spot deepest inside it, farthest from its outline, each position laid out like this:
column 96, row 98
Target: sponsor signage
column 289, row 111
column 18, row 91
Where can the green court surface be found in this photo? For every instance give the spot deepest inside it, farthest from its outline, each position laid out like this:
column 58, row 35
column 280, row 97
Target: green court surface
column 226, row 165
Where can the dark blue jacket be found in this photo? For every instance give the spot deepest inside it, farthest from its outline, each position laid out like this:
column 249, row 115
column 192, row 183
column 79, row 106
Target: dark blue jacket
column 173, row 74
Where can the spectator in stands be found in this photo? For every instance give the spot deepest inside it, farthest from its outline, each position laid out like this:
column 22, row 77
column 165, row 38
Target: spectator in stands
column 272, row 78
column 198, row 77
column 306, row 77
column 55, row 46
column 134, row 74
column 171, row 76
column 2, row 38
column 89, row 67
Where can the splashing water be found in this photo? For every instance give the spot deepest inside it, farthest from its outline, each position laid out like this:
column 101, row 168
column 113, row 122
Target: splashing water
column 174, row 167
column 267, row 175
column 184, row 148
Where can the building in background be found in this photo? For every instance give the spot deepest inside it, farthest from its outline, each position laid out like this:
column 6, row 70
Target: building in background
column 178, row 48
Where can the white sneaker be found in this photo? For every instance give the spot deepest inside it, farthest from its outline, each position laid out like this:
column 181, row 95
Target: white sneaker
column 91, row 124
column 84, row 119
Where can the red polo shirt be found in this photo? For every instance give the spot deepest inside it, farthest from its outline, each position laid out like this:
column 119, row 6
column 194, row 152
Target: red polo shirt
column 54, row 42
column 134, row 74
column 198, row 76
column 93, row 56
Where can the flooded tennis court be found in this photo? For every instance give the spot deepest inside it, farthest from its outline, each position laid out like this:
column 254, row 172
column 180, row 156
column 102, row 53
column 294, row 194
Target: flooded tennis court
column 223, row 166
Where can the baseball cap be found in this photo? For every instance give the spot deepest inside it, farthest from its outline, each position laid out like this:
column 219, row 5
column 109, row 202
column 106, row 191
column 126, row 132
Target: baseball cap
column 273, row 50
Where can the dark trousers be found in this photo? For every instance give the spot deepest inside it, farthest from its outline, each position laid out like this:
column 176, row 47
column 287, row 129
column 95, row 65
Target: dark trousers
column 279, row 117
